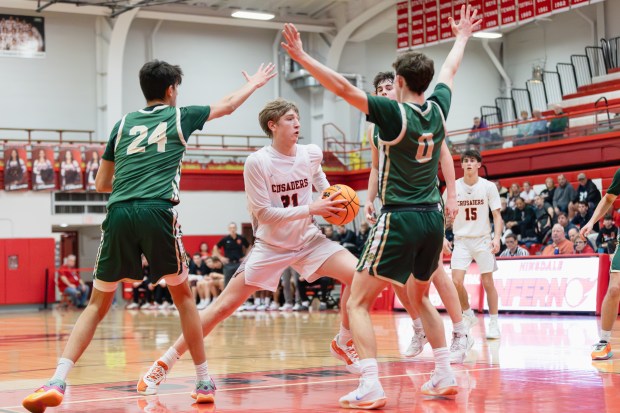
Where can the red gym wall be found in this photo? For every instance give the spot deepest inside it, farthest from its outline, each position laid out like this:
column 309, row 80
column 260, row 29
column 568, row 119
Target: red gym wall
column 23, row 262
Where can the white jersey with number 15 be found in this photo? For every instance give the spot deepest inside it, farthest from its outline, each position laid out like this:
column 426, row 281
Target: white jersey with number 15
column 474, row 203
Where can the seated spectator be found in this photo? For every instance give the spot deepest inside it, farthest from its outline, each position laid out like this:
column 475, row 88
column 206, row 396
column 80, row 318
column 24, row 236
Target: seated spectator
column 606, row 239
column 563, row 195
column 582, row 247
column 362, row 235
column 565, row 223
column 573, row 235
column 583, row 216
column 70, row 283
column 558, row 124
column 522, row 128
column 547, row 193
column 203, row 250
column 537, row 131
column 544, row 218
column 290, row 278
column 503, row 191
column 197, row 269
column 479, row 134
column 528, row 193
column 328, row 230
column 559, row 245
column 512, row 248
column 524, row 223
column 586, row 191
column 163, row 299
column 212, row 283
column 141, row 289
column 507, row 213
column 513, row 194
column 347, row 239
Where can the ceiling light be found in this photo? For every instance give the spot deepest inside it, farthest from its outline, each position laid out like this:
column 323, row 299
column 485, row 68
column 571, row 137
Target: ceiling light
column 63, row 225
column 253, row 15
column 487, row 35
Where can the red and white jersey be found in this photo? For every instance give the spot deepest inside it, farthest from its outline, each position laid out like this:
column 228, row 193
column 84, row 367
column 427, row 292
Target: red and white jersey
column 474, row 203
column 279, row 190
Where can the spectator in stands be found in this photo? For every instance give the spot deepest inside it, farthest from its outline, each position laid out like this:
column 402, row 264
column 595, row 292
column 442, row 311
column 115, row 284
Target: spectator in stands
column 558, row 124
column 503, row 191
column 563, row 195
column 197, row 265
column 508, row 214
column 479, row 134
column 606, row 239
column 163, row 298
column 290, row 275
column 70, row 283
column 142, row 288
column 212, row 284
column 583, row 216
column 525, row 221
column 559, row 245
column 547, row 193
column 565, row 223
column 586, row 191
column 528, row 193
column 347, row 239
column 582, row 247
column 328, row 230
column 522, row 128
column 515, row 192
column 537, row 131
column 573, row 235
column 235, row 248
column 544, row 218
column 203, row 250
column 362, row 235
column 512, row 248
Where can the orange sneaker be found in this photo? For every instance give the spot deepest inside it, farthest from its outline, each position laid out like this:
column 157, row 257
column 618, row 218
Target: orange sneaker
column 601, row 351
column 48, row 395
column 346, row 353
column 150, row 381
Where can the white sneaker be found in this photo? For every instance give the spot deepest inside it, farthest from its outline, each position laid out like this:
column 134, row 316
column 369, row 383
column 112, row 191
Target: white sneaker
column 147, row 385
column 286, row 307
column 147, row 306
column 493, row 330
column 471, row 320
column 132, row 306
column 461, row 343
column 369, row 395
column 261, row 307
column 417, row 343
column 172, row 307
column 164, row 305
column 273, row 306
column 346, row 353
column 202, row 304
column 440, row 386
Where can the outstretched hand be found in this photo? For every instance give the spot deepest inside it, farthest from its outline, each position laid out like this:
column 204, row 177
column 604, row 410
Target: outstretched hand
column 262, row 75
column 292, row 44
column 467, row 24
column 327, row 207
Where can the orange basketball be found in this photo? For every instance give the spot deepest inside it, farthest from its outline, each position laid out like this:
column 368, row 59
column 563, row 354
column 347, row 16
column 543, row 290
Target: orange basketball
column 351, row 206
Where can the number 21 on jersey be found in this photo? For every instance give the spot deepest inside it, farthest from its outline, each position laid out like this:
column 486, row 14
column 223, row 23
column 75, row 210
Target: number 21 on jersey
column 287, row 200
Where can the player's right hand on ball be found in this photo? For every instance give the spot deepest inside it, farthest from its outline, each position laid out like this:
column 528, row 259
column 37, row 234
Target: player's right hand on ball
column 327, row 206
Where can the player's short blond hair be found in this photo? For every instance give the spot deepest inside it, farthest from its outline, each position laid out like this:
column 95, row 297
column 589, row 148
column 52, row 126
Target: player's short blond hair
column 273, row 111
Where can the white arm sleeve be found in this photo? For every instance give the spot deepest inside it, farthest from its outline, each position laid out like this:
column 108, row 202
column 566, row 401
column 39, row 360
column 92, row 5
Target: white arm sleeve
column 318, row 176
column 259, row 202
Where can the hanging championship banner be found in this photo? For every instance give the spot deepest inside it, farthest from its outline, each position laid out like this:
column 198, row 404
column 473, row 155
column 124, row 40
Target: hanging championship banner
column 93, row 155
column 15, row 170
column 417, row 23
column 431, row 26
column 70, row 166
column 445, row 11
column 491, row 14
column 402, row 28
column 42, row 160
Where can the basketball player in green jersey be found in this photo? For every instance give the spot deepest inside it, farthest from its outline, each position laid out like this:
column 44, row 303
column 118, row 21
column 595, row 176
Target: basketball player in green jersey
column 609, row 309
column 408, row 236
column 142, row 168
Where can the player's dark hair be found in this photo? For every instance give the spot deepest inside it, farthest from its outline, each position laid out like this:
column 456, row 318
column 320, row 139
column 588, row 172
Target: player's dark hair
column 382, row 77
column 273, row 111
column 157, row 76
column 471, row 153
column 417, row 69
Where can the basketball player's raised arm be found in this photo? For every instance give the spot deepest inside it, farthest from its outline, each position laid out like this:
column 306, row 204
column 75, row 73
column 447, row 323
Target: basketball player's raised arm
column 462, row 31
column 230, row 103
column 330, row 79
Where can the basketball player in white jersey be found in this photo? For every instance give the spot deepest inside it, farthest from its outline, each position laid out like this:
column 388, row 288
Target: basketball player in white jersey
column 475, row 196
column 278, row 183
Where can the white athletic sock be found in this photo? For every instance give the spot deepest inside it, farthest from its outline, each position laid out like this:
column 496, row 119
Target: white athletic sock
column 257, row 301
column 369, row 368
column 170, row 357
column 469, row 312
column 344, row 335
column 63, row 368
column 605, row 335
column 267, row 301
column 417, row 324
column 442, row 360
column 460, row 327
column 202, row 371
column 493, row 318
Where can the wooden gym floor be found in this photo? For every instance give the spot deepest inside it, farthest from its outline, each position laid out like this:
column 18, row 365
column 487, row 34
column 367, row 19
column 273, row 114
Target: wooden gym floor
column 274, row 362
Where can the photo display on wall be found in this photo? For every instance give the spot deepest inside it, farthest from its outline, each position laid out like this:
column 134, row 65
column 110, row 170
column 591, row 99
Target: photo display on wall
column 15, row 168
column 42, row 162
column 70, row 166
column 92, row 161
